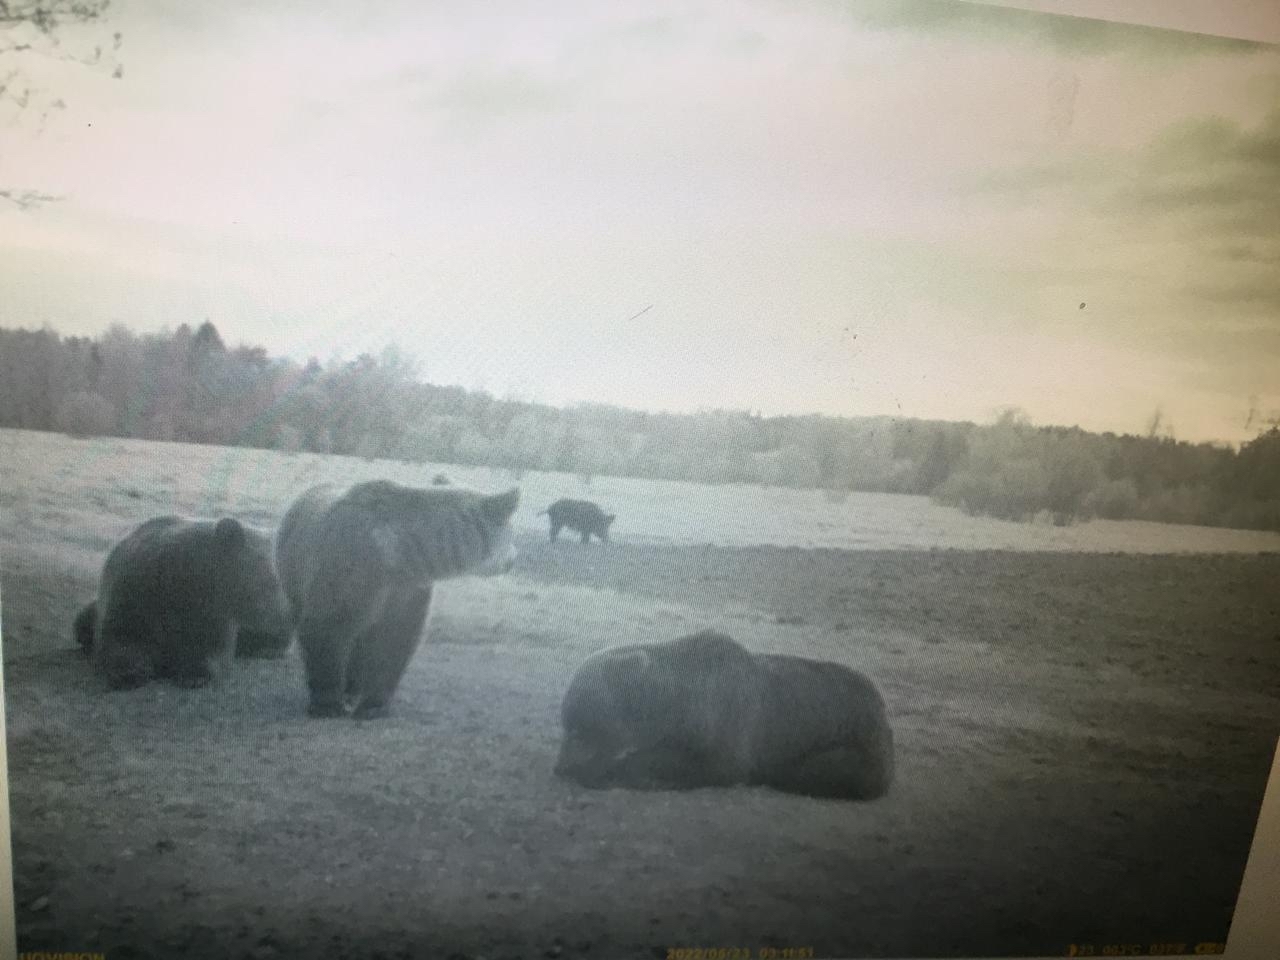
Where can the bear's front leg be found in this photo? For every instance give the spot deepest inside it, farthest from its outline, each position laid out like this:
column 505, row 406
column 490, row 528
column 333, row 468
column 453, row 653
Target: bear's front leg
column 198, row 655
column 386, row 648
column 326, row 647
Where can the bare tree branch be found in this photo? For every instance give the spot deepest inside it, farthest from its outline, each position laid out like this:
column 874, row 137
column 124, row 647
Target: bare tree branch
column 32, row 28
column 26, row 199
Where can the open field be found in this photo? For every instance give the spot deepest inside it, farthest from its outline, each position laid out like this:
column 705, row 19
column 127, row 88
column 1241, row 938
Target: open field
column 1085, row 719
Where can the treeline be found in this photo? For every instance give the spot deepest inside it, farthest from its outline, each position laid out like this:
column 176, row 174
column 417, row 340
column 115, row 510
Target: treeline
column 188, row 385
column 1016, row 471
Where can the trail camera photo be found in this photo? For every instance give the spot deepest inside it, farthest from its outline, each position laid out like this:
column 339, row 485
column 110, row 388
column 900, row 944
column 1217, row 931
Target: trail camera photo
column 695, row 481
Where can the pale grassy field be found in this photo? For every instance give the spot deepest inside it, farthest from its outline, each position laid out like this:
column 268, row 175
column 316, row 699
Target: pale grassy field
column 93, row 489
column 1084, row 718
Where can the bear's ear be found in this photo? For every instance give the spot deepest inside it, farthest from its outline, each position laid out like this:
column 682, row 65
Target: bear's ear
column 228, row 535
column 623, row 669
column 499, row 507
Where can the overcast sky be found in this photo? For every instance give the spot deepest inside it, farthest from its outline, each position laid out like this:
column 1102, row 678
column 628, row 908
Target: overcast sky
column 857, row 207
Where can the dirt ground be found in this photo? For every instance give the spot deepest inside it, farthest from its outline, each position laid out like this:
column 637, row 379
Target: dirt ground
column 1083, row 741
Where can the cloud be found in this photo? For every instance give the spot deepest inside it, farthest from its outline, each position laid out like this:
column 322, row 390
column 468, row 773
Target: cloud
column 1219, row 183
column 500, row 94
column 770, row 177
column 1074, row 35
column 1207, row 186
column 1258, row 290
column 1249, row 253
column 1215, row 171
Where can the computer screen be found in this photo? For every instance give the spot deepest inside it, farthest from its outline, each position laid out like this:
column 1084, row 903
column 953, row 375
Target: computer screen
column 727, row 480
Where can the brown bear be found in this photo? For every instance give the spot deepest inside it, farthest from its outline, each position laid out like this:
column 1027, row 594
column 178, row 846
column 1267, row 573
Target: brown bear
column 704, row 711
column 172, row 596
column 358, row 567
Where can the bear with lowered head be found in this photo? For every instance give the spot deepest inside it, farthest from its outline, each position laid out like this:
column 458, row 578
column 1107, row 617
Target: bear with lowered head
column 172, row 597
column 703, row 711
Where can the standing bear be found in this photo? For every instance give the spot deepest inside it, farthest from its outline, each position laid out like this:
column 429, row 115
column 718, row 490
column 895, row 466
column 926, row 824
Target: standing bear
column 358, row 567
column 172, row 597
column 582, row 516
column 704, row 711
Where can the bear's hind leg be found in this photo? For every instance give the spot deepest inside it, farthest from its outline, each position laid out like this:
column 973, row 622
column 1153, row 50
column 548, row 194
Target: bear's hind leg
column 840, row 773
column 387, row 650
column 672, row 766
column 262, row 644
column 124, row 649
column 326, row 647
column 197, row 656
column 85, row 626
column 357, row 667
column 127, row 669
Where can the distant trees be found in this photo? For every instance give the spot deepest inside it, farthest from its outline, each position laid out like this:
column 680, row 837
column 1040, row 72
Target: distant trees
column 84, row 414
column 1015, row 471
column 1251, row 485
column 189, row 385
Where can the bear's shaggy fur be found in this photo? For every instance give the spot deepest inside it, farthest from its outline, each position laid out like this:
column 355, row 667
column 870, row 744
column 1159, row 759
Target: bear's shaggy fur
column 704, row 711
column 173, row 595
column 358, row 567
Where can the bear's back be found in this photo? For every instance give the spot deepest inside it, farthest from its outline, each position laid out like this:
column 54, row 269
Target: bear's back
column 297, row 539
column 136, row 558
column 809, row 702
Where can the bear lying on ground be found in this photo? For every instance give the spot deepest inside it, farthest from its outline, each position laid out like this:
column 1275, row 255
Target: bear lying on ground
column 253, row 642
column 582, row 516
column 704, row 711
column 358, row 567
column 173, row 594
